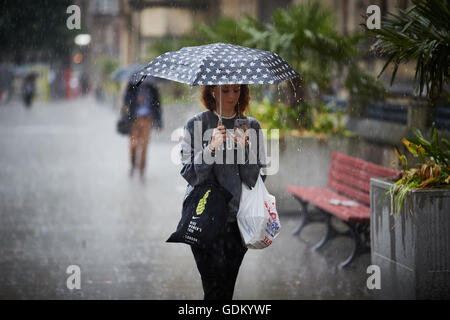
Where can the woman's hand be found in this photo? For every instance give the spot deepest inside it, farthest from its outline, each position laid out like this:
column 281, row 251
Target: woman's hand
column 218, row 136
column 241, row 137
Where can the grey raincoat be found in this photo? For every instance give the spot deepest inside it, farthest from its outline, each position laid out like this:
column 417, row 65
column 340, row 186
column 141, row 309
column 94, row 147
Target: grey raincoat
column 229, row 175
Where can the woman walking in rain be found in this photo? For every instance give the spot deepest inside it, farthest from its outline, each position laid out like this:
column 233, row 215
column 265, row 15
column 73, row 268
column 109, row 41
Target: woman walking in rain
column 144, row 111
column 219, row 263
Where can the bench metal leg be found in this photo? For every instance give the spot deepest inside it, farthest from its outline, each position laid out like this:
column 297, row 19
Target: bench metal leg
column 355, row 232
column 330, row 233
column 303, row 223
column 305, row 220
column 308, row 217
column 360, row 247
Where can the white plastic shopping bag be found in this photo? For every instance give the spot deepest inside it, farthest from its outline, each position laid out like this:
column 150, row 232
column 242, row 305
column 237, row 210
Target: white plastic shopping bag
column 257, row 216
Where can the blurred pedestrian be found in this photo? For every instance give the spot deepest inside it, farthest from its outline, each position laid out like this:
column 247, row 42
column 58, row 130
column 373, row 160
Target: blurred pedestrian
column 219, row 262
column 144, row 110
column 28, row 89
column 6, row 80
column 84, row 81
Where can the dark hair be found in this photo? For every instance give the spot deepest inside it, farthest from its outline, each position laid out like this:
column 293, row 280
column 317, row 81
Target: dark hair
column 209, row 102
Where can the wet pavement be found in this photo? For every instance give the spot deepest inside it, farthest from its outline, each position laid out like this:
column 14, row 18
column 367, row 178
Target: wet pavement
column 66, row 199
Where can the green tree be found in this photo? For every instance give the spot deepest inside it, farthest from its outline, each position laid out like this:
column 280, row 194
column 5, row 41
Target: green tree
column 224, row 29
column 421, row 34
column 306, row 36
column 36, row 29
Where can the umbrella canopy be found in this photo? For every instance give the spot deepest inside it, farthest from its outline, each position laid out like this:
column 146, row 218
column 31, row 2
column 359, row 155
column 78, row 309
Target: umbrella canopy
column 220, row 64
column 24, row 71
column 123, row 74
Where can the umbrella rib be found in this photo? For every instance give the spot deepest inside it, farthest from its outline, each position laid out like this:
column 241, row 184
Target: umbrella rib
column 202, row 64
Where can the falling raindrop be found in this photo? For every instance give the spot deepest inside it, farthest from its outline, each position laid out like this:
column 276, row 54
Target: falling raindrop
column 293, row 87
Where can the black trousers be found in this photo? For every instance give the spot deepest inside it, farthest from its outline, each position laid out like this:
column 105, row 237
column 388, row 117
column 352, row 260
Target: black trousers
column 219, row 264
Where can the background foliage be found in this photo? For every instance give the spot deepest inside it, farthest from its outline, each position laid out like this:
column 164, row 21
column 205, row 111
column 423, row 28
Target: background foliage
column 305, row 36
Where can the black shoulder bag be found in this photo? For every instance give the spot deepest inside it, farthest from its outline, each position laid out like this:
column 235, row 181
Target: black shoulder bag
column 204, row 215
column 124, row 124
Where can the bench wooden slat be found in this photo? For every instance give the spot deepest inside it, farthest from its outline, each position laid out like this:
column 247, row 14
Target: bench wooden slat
column 349, row 191
column 373, row 169
column 348, row 179
column 321, row 197
column 351, row 176
column 352, row 182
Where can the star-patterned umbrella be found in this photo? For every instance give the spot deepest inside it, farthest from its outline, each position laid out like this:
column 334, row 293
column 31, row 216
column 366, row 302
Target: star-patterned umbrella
column 219, row 64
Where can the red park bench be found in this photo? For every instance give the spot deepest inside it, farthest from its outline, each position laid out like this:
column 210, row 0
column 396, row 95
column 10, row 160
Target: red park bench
column 347, row 198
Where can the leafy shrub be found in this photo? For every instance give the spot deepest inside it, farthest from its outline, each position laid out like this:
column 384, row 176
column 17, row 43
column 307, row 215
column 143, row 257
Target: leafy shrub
column 288, row 121
column 433, row 172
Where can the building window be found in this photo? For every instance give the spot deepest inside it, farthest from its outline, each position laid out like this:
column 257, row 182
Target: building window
column 106, row 7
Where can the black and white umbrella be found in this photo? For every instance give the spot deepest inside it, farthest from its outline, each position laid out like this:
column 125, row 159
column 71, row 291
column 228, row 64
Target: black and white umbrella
column 219, row 64
column 123, row 74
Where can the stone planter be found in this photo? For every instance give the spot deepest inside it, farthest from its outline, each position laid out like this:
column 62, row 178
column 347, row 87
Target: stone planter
column 412, row 250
